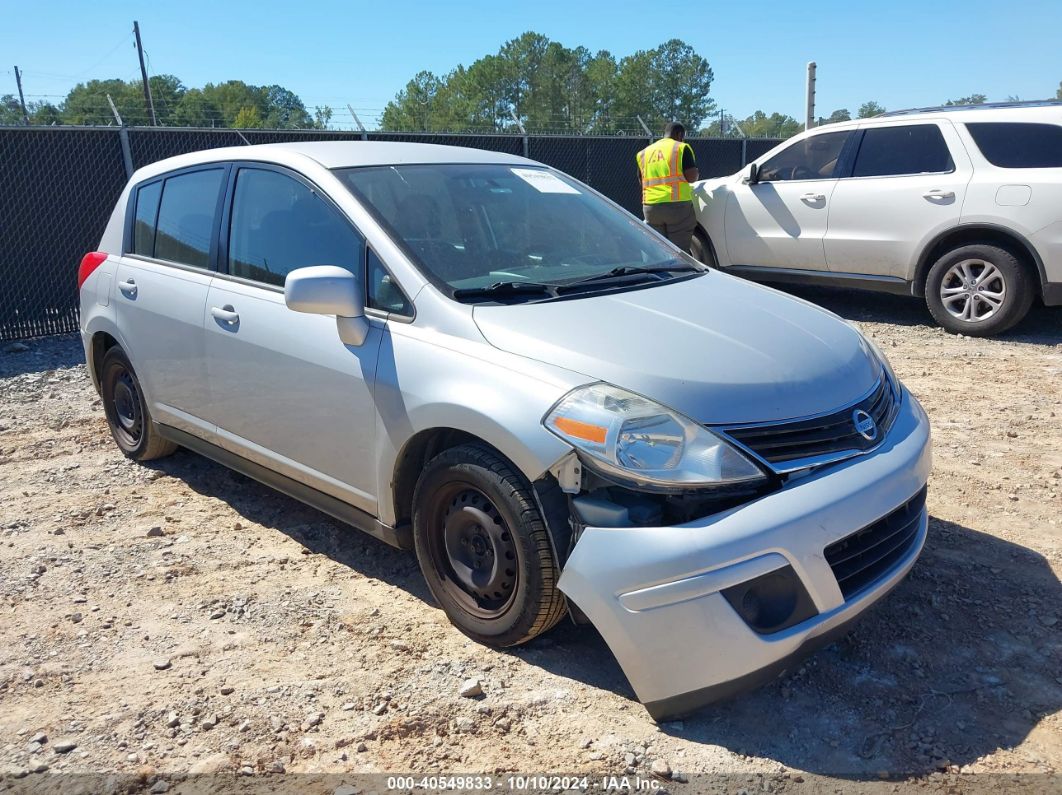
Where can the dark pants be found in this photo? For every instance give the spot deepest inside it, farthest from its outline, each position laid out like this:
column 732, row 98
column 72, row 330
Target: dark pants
column 674, row 220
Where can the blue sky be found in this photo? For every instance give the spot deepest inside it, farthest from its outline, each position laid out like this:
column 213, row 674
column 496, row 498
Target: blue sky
column 901, row 53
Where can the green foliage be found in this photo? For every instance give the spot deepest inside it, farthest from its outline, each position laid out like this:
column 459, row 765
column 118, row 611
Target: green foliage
column 248, row 118
column 10, row 110
column 213, row 105
column 973, row 99
column 1058, row 94
column 322, row 117
column 870, row 108
column 550, row 87
column 836, row 116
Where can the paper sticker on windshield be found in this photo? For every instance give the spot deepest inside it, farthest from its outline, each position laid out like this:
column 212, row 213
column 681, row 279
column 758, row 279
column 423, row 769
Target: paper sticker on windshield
column 543, row 181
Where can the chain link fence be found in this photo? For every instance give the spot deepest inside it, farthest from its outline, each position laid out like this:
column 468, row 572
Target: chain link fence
column 58, row 186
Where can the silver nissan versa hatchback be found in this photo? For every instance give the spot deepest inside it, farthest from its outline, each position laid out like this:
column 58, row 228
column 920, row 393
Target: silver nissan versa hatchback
column 474, row 356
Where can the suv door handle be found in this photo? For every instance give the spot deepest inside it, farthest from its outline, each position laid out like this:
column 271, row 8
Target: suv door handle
column 936, row 193
column 226, row 314
column 813, row 197
column 128, row 288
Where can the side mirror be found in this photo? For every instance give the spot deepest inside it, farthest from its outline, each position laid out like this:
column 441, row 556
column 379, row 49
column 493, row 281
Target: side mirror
column 328, row 290
column 750, row 175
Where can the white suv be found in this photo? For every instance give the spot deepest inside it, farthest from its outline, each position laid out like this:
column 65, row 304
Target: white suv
column 960, row 205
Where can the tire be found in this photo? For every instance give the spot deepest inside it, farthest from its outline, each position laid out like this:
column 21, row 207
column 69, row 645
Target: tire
column 127, row 413
column 979, row 290
column 701, row 249
column 474, row 513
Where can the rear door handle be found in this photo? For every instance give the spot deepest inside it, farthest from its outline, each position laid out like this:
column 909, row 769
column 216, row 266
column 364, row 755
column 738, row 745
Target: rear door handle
column 128, row 288
column 814, row 197
column 936, row 193
column 226, row 314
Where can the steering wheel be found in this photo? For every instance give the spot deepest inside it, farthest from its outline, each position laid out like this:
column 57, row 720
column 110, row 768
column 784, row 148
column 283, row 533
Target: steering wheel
column 802, row 172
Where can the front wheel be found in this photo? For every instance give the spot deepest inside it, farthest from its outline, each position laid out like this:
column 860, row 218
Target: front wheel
column 484, row 549
column 979, row 290
column 701, row 249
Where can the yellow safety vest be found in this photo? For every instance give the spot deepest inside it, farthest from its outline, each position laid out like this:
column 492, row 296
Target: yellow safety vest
column 660, row 165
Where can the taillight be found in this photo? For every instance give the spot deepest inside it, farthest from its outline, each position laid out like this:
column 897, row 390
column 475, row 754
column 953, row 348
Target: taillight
column 89, row 263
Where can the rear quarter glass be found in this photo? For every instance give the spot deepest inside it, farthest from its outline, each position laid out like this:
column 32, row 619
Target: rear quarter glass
column 89, row 263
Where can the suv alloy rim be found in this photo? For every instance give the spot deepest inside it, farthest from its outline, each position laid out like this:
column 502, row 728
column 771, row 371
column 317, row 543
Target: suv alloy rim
column 973, row 290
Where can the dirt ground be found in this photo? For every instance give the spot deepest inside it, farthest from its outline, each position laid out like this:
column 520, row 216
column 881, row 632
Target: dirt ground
column 178, row 619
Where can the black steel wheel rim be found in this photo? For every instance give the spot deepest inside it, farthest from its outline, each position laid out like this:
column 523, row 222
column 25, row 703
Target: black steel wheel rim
column 473, row 550
column 125, row 400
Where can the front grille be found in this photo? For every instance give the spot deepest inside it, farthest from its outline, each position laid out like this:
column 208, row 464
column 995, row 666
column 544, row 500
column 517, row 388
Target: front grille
column 868, row 554
column 792, row 445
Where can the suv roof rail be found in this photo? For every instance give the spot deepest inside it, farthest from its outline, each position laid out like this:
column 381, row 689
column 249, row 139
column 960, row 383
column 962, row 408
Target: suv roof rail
column 1032, row 103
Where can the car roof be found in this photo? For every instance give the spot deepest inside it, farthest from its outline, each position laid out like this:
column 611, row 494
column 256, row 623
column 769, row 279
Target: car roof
column 335, row 154
column 1048, row 111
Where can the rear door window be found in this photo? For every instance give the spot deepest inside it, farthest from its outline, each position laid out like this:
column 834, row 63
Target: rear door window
column 1019, row 145
column 279, row 224
column 147, row 209
column 902, row 150
column 186, row 217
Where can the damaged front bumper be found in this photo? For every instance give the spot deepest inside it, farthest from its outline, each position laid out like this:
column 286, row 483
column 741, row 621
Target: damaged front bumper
column 688, row 610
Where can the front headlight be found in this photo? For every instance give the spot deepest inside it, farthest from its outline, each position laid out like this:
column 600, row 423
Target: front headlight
column 636, row 441
column 879, row 354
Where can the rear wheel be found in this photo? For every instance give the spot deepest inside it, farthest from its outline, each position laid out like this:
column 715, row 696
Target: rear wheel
column 127, row 412
column 484, row 549
column 979, row 290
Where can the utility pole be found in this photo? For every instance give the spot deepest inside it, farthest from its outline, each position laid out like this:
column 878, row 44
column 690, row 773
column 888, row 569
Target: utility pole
column 357, row 121
column 21, row 99
column 143, row 74
column 809, row 119
column 722, row 123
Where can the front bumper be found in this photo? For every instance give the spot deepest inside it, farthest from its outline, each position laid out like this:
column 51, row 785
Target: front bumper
column 655, row 593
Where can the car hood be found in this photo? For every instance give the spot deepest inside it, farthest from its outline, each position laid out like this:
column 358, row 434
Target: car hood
column 716, row 348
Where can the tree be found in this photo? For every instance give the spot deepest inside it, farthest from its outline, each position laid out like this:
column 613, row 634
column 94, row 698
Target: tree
column 322, row 117
column 10, row 110
column 548, row 86
column 248, row 118
column 836, row 116
column 1058, row 94
column 870, row 108
column 195, row 109
column 973, row 99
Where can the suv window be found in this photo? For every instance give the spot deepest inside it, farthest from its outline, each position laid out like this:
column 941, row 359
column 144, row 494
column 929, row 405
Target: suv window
column 147, row 210
column 902, row 149
column 186, row 217
column 1018, row 145
column 814, row 157
column 279, row 224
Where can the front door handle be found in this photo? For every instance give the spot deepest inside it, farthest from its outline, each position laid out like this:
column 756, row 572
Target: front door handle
column 226, row 314
column 936, row 193
column 813, row 197
column 128, row 288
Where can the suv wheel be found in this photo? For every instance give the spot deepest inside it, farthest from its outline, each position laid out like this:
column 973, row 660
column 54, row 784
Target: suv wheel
column 484, row 548
column 127, row 412
column 979, row 290
column 701, row 248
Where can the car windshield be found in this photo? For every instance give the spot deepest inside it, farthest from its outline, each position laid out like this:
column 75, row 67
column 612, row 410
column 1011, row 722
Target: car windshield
column 498, row 232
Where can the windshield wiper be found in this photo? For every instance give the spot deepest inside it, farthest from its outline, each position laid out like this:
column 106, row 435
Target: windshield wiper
column 501, row 289
column 634, row 270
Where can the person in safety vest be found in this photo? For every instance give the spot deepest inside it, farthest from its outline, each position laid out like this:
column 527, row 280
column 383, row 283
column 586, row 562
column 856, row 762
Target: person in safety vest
column 665, row 170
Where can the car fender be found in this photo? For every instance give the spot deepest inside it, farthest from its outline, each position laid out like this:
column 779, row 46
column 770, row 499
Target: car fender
column 465, row 386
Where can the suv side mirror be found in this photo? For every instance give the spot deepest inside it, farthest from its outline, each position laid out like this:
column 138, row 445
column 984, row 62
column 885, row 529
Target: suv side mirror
column 750, row 175
column 328, row 290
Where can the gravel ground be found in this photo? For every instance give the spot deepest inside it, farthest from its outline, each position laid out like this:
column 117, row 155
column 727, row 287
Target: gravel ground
column 173, row 619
